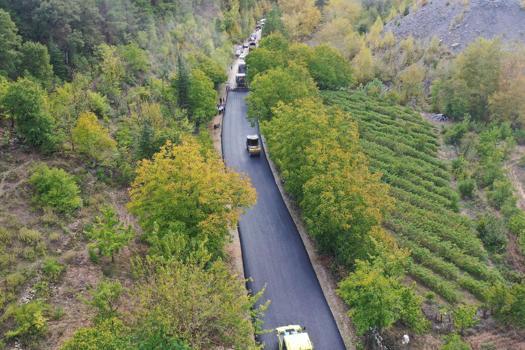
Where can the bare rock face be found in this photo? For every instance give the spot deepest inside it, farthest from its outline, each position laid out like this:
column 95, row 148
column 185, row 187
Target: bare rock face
column 457, row 23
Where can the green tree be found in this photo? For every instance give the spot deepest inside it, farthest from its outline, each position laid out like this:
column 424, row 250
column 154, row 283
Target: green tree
column 182, row 83
column 55, row 188
column 186, row 192
column 507, row 302
column 108, row 234
column 9, row 44
column 376, row 300
column 136, row 61
column 28, row 320
column 35, row 61
column 104, row 298
column 329, row 68
column 454, row 342
column 212, row 69
column 25, row 102
column 279, row 85
column 202, row 98
column 93, row 140
column 204, row 307
column 464, row 317
column 274, row 22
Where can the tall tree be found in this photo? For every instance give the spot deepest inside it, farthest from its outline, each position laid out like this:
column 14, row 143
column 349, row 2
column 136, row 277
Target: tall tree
column 9, row 44
column 182, row 83
column 93, row 140
column 35, row 61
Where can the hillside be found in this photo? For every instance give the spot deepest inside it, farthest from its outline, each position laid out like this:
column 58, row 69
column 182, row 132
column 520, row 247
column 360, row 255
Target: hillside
column 457, row 24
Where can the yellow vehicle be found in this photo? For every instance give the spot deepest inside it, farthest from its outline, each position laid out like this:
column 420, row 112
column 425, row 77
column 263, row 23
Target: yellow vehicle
column 252, row 145
column 293, row 337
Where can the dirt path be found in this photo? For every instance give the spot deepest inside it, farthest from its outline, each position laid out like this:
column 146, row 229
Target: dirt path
column 512, row 168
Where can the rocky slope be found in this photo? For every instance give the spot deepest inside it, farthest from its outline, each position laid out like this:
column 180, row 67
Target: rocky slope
column 457, row 23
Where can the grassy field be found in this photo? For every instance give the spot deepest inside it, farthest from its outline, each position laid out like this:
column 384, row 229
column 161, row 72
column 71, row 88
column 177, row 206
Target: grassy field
column 447, row 256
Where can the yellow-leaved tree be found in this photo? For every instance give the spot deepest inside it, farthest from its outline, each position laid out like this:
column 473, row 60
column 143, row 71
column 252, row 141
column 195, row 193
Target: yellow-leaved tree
column 300, row 17
column 186, row 198
column 93, row 140
column 364, row 66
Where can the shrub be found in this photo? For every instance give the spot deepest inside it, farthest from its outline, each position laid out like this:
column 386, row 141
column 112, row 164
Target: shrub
column 516, row 224
column 56, row 189
column 28, row 236
column 465, row 317
column 454, row 342
column 29, row 320
column 492, row 233
column 93, row 140
column 52, row 269
column 500, row 193
column 466, row 187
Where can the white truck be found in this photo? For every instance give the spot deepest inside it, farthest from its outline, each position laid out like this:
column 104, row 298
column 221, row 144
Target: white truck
column 293, row 337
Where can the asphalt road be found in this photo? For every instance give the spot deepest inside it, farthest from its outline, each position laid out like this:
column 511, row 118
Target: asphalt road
column 273, row 252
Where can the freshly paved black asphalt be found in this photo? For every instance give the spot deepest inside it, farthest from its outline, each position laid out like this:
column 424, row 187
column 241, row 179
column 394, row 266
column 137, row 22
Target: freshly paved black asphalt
column 273, row 252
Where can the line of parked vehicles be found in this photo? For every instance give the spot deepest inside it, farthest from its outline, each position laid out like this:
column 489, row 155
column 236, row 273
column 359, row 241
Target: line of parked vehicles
column 290, row 337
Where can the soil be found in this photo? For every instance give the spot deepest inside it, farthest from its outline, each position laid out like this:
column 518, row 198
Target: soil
column 459, row 22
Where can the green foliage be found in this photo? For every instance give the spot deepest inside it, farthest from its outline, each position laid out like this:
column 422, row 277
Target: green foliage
column 466, row 187
column 474, row 78
column 274, row 22
column 93, row 140
column 508, row 303
column 464, row 317
column 136, row 61
column 29, row 320
column 329, row 68
column 108, row 234
column 447, row 253
column 377, row 300
column 213, row 70
column 278, row 85
column 454, row 342
column 25, row 103
column 52, row 269
column 182, row 83
column 105, row 298
column 202, row 98
column 500, row 192
column 455, row 133
column 56, row 189
column 35, row 62
column 9, row 43
column 185, row 193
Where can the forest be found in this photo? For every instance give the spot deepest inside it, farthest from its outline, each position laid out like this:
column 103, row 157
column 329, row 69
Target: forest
column 104, row 108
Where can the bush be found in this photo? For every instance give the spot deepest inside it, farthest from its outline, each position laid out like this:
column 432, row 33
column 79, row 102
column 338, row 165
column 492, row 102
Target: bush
column 29, row 320
column 466, row 187
column 30, row 237
column 492, row 233
column 500, row 193
column 454, row 342
column 52, row 269
column 516, row 224
column 56, row 189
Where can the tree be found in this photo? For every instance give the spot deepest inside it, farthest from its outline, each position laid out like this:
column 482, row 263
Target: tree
column 93, row 140
column 279, row 85
column 364, row 66
column 9, row 44
column 108, row 234
column 105, row 299
column 56, row 189
column 507, row 302
column 136, row 61
column 274, row 22
column 329, row 69
column 376, row 300
column 299, row 17
column 465, row 317
column 204, row 307
column 29, row 320
column 202, row 98
column 185, row 191
column 410, row 84
column 25, row 102
column 212, row 69
column 182, row 83
column 35, row 61
column 112, row 71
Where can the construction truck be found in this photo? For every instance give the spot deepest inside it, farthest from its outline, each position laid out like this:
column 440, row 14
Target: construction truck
column 240, row 80
column 293, row 337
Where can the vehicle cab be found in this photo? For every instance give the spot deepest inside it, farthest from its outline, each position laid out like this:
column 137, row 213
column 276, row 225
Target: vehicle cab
column 293, row 337
column 252, row 145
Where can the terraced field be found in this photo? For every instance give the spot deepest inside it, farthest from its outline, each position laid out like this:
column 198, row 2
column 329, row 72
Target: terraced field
column 447, row 255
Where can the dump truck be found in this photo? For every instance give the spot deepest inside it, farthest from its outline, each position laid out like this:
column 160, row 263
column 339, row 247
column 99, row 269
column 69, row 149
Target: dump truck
column 252, row 145
column 293, row 337
column 240, row 80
